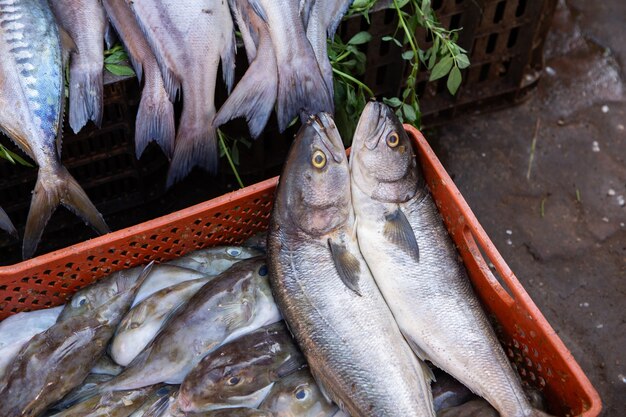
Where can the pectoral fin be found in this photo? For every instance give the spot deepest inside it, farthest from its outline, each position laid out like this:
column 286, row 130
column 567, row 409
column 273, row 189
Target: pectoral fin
column 398, row 231
column 347, row 266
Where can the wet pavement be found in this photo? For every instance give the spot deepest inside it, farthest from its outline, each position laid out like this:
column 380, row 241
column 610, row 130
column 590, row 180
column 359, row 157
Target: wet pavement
column 547, row 180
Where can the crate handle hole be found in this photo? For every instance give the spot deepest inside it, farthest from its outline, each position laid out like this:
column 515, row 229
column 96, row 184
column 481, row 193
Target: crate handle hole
column 490, row 269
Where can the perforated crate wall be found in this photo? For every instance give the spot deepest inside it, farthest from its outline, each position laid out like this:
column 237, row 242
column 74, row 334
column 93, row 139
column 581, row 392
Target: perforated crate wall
column 504, row 39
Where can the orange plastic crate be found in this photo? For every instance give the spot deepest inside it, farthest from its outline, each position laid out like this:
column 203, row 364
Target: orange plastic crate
column 532, row 345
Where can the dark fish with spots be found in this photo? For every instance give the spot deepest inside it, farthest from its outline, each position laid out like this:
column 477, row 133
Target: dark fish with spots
column 78, row 394
column 155, row 115
column 31, row 99
column 325, row 291
column 59, row 359
column 17, row 330
column 417, row 268
column 237, row 302
column 85, row 22
column 242, row 372
column 189, row 38
column 145, row 320
column 298, row 395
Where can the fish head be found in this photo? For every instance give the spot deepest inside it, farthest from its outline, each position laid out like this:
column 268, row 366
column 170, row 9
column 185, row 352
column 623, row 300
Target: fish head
column 103, row 293
column 298, row 395
column 382, row 160
column 314, row 189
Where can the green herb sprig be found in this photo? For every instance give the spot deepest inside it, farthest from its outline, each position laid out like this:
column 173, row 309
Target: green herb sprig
column 116, row 62
column 12, row 157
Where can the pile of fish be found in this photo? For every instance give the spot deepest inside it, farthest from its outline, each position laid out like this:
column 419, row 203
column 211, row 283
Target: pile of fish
column 176, row 47
column 198, row 336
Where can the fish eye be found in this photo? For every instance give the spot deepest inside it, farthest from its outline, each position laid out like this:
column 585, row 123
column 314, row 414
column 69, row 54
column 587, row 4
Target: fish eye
column 233, row 380
column 319, row 159
column 80, row 301
column 301, row 393
column 233, row 252
column 263, row 270
column 393, row 140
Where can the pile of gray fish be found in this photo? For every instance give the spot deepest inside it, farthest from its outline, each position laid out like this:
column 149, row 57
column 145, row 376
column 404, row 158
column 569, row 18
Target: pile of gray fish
column 198, row 336
column 176, row 47
column 370, row 283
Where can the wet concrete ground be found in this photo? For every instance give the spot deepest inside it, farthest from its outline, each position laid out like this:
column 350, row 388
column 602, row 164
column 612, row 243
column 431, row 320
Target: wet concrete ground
column 557, row 213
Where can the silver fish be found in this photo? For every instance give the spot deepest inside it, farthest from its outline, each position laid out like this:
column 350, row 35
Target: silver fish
column 417, row 268
column 214, row 261
column 241, row 373
column 85, row 22
column 144, row 321
column 155, row 116
column 17, row 330
column 59, row 359
column 163, row 276
column 6, row 225
column 237, row 302
column 110, row 404
column 188, row 38
column 255, row 94
column 31, row 99
column 325, row 291
column 298, row 395
column 301, row 87
column 322, row 25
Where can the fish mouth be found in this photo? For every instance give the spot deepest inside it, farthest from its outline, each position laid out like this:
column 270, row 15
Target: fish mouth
column 326, row 130
column 372, row 124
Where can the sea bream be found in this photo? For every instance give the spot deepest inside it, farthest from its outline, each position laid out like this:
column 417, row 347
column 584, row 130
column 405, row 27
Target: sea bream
column 31, row 99
column 255, row 94
column 325, row 291
column 417, row 268
column 85, row 22
column 54, row 362
column 301, row 87
column 188, row 38
column 155, row 115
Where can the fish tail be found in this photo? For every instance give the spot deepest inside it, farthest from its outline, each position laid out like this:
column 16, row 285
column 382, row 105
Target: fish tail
column 85, row 97
column 6, row 225
column 228, row 61
column 196, row 146
column 253, row 98
column 301, row 90
column 160, row 406
column 127, row 280
column 155, row 121
column 56, row 187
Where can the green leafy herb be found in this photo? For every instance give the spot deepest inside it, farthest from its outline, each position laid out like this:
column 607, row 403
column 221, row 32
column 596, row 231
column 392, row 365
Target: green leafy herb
column 443, row 59
column 12, row 157
column 116, row 61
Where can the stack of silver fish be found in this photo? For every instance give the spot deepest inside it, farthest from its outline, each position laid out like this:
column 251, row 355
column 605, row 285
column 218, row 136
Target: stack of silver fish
column 361, row 269
column 176, row 47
